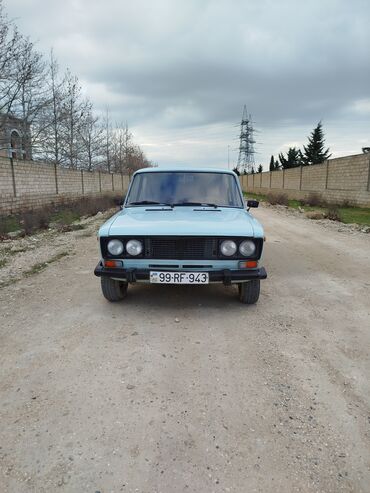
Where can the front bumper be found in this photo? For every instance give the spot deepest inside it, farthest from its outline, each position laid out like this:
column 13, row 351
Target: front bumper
column 225, row 276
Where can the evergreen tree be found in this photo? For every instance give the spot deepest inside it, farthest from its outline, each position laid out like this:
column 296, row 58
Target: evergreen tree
column 236, row 170
column 277, row 165
column 252, row 170
column 314, row 152
column 272, row 163
column 293, row 158
column 260, row 168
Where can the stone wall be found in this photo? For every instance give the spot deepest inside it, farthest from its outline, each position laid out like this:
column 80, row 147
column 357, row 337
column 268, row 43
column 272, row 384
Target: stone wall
column 336, row 180
column 31, row 185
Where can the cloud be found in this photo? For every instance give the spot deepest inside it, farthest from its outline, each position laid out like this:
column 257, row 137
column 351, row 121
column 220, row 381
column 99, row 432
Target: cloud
column 176, row 71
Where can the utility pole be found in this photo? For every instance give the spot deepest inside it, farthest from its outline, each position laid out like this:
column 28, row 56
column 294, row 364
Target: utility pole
column 246, row 146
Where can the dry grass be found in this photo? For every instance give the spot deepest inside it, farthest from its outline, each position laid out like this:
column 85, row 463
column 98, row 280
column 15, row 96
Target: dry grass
column 62, row 215
column 277, row 198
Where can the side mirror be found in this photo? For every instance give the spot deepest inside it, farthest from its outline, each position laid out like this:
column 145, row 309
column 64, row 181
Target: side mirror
column 252, row 203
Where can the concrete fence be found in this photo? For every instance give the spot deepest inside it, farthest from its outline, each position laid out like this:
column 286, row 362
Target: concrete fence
column 31, row 185
column 336, row 180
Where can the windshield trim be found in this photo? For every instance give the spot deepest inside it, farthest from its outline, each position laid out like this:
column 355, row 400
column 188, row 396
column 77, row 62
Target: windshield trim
column 126, row 204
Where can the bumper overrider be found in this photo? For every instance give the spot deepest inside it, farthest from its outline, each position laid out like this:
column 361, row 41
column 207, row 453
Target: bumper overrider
column 226, row 276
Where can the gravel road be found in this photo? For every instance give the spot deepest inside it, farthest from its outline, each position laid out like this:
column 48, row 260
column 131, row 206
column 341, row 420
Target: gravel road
column 184, row 389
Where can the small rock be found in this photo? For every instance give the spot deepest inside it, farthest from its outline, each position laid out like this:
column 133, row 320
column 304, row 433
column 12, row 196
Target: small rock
column 365, row 230
column 15, row 234
column 300, row 209
column 130, row 387
column 177, row 320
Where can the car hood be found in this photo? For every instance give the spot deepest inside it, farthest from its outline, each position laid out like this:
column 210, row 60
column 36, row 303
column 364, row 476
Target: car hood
column 183, row 221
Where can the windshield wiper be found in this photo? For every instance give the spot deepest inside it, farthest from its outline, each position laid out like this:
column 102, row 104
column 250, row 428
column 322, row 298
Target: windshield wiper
column 202, row 204
column 149, row 202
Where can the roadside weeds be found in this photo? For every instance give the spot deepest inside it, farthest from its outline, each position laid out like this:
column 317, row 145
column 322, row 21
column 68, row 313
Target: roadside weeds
column 315, row 208
column 35, row 269
column 24, row 257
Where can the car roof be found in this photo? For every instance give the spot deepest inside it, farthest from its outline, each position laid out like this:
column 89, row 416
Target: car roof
column 184, row 169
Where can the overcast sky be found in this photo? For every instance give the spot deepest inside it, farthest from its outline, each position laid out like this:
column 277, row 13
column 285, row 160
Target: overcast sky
column 180, row 71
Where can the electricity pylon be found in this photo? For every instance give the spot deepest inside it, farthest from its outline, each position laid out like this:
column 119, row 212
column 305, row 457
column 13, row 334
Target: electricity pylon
column 246, row 147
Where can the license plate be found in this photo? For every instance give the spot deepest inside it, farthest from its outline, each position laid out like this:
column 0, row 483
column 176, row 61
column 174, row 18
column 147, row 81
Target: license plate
column 179, row 277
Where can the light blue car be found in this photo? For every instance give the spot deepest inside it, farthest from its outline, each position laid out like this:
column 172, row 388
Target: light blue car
column 182, row 226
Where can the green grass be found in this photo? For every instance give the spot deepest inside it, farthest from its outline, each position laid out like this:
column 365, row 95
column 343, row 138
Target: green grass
column 257, row 196
column 9, row 224
column 295, row 204
column 65, row 216
column 356, row 215
column 348, row 215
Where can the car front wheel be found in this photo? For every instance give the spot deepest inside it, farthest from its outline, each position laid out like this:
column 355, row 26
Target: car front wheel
column 249, row 292
column 113, row 290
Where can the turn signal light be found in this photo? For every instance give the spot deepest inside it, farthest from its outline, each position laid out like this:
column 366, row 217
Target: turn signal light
column 249, row 264
column 112, row 264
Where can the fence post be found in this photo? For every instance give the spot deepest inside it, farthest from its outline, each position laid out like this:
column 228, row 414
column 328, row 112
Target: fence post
column 300, row 179
column 56, row 178
column 283, row 178
column 13, row 177
column 368, row 178
column 99, row 181
column 270, row 179
column 122, row 180
column 112, row 182
column 82, row 182
column 327, row 174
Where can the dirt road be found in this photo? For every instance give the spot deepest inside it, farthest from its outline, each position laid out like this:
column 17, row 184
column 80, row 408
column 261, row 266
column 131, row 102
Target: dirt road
column 99, row 397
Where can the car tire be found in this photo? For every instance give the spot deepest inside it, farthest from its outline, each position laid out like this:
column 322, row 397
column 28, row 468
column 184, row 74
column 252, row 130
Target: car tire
column 249, row 292
column 113, row 290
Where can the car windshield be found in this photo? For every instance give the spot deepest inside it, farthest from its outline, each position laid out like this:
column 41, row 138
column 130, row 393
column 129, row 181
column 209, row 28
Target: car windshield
column 184, row 188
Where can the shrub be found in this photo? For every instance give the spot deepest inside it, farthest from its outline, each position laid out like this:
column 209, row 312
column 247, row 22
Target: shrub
column 347, row 203
column 333, row 213
column 65, row 213
column 277, row 198
column 36, row 219
column 314, row 200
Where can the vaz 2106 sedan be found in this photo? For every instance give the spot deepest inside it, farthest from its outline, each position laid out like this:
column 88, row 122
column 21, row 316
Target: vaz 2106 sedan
column 182, row 226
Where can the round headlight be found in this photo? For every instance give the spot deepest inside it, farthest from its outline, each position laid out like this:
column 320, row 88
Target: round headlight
column 115, row 247
column 134, row 247
column 247, row 248
column 228, row 248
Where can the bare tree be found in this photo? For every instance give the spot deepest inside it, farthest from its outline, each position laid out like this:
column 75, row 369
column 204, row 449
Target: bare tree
column 121, row 148
column 108, row 134
column 33, row 95
column 73, row 112
column 11, row 45
column 47, row 128
column 92, row 140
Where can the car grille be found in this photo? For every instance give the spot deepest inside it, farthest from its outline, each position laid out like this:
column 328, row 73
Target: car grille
column 181, row 248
